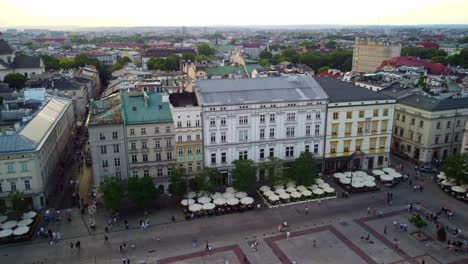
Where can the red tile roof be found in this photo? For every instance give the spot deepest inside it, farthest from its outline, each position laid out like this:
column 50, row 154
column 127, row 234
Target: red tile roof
column 428, row 45
column 432, row 68
column 330, row 74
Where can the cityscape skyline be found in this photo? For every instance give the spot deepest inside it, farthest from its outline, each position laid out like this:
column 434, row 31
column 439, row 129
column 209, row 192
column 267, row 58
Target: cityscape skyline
column 50, row 13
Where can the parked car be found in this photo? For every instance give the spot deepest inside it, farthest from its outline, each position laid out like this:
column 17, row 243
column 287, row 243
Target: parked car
column 427, row 168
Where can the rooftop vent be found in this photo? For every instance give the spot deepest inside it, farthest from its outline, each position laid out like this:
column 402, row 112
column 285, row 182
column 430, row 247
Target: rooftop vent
column 134, row 108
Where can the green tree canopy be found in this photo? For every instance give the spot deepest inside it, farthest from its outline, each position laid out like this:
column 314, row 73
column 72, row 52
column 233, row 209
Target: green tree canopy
column 199, row 183
column 456, row 167
column 66, row 63
column 423, row 53
column 18, row 203
column 323, row 69
column 308, row 44
column 213, row 175
column 178, row 186
column 311, row 59
column 265, row 54
column 188, row 56
column 50, row 62
column 305, row 169
column 276, row 173
column 205, row 49
column 15, row 80
column 113, row 193
column 244, row 174
column 290, row 54
column 141, row 191
column 168, row 64
column 265, row 63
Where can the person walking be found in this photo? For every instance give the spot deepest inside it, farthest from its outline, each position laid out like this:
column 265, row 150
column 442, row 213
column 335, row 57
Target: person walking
column 78, row 245
column 71, row 245
column 315, row 242
column 306, row 210
column 106, row 239
column 288, row 234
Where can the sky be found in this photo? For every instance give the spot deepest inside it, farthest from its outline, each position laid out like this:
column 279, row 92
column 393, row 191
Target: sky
column 106, row 13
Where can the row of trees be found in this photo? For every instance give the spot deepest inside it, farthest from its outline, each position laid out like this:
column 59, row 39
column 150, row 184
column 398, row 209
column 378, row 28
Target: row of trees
column 423, row 53
column 139, row 191
column 170, row 63
column 339, row 59
column 456, row 167
column 460, row 59
column 121, row 63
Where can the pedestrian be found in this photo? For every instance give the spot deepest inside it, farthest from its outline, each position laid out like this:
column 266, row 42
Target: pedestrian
column 368, row 210
column 207, row 246
column 288, row 234
column 173, row 219
column 124, row 260
column 106, row 238
column 71, row 245
column 314, row 242
column 385, row 229
column 124, row 246
column 78, row 244
column 120, row 248
column 306, row 210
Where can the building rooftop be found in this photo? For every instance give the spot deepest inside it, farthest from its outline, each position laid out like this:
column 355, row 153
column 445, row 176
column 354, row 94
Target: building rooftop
column 15, row 143
column 24, row 62
column 432, row 104
column 107, row 110
column 5, row 47
column 340, row 91
column 259, row 90
column 183, row 99
column 225, row 71
column 138, row 110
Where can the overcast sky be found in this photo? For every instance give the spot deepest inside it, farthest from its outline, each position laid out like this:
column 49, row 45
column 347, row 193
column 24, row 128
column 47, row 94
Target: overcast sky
column 234, row 12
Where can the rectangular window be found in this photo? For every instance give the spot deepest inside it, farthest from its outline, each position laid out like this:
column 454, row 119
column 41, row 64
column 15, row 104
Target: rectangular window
column 438, row 125
column 290, row 131
column 447, row 136
column 198, row 150
column 243, row 120
column 102, row 136
column 437, row 140
column 383, row 126
column 198, row 137
column 316, row 148
column 24, row 167
column 289, row 152
column 197, row 123
column 309, row 116
column 398, row 116
column 291, row 116
column 458, row 123
column 372, row 143
column 158, row 156
column 456, row 137
column 213, row 158
column 272, row 152
column 317, row 130
column 358, row 145
column 27, row 184
column 335, row 116
column 168, row 155
column 160, row 172
column 262, row 118
column 116, row 162
column 262, row 154
column 132, row 131
column 157, row 144
column 376, row 112
column 243, row 135
column 168, row 129
column 156, row 130
column 144, row 145
column 382, row 142
column 105, row 164
column 133, row 145
column 134, row 158
column 262, row 133
column 190, row 167
column 307, row 148
column 349, row 115
column 189, row 124
column 115, row 135
column 189, row 151
column 272, row 118
column 385, row 112
column 179, row 123
column 419, row 138
column 403, row 118
column 421, row 123
column 168, row 143
column 116, row 148
column 223, row 136
column 317, row 115
column 334, row 129
column 346, row 146
column 223, row 122
column 181, row 151
column 13, row 186
column 272, row 132
column 223, row 157
column 361, row 114
column 135, row 174
column 180, row 138
column 449, row 124
column 198, row 166
column 146, row 173
column 348, row 128
column 169, row 172
column 243, row 155
column 212, row 122
column 213, row 137
column 143, row 131
column 332, row 147
column 375, row 124
column 307, row 132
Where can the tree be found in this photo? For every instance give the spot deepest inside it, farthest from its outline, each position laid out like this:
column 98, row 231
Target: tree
column 199, row 183
column 178, row 186
column 67, row 47
column 15, row 80
column 66, row 63
column 308, row 44
column 265, row 63
column 305, row 169
column 18, row 203
column 50, row 62
column 214, row 176
column 124, row 60
column 423, row 53
column 188, row 57
column 418, row 222
column 330, row 44
column 244, row 174
column 456, row 167
column 172, row 63
column 339, row 59
column 265, row 54
column 323, row 69
column 275, row 168
column 141, row 191
column 439, row 59
column 232, row 42
column 113, row 193
column 311, row 59
column 290, row 55
column 117, row 66
column 205, row 49
column 155, row 63
column 201, row 58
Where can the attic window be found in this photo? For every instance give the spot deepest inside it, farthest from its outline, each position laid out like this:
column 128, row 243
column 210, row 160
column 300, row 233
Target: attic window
column 134, row 108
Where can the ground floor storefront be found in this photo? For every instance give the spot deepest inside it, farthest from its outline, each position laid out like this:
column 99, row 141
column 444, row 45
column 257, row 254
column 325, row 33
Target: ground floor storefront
column 356, row 161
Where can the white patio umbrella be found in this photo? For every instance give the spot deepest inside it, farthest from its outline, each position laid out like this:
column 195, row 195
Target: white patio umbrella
column 219, row 201
column 448, row 183
column 314, row 186
column 385, row 177
column 231, row 190
column 20, row 230
column 395, row 175
column 291, row 184
column 273, row 198
column 241, row 195
column 458, row 189
column 30, row 214
column 369, row 183
column 441, row 176
column 9, row 224
column 388, row 170
column 3, row 218
column 191, row 194
column 6, row 232
column 357, row 184
column 323, row 185
column 228, row 195
column 25, row 222
column 329, row 190
column 345, row 180
column 319, row 181
column 268, row 193
column 301, row 188
column 204, row 200
column 195, row 207
column 208, row 206
column 306, row 193
column 369, row 178
column 348, row 174
column 291, row 189
column 377, row 172
column 216, row 195
column 247, row 200
column 232, row 201
column 360, row 173
column 280, row 191
column 339, row 175
column 284, row 196
column 318, row 191
column 295, row 194
column 187, row 202
column 264, row 188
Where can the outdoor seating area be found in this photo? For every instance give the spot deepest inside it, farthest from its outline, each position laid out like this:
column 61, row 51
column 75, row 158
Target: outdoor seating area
column 389, row 177
column 291, row 194
column 17, row 230
column 356, row 182
column 205, row 204
column 450, row 186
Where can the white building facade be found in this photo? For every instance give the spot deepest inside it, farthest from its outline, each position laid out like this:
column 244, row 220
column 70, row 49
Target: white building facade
column 260, row 118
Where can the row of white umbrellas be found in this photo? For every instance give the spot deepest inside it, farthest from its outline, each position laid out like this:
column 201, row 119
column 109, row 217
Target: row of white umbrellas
column 21, row 230
column 195, row 207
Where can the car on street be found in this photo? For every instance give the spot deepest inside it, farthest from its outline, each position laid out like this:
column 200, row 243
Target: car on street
column 427, row 167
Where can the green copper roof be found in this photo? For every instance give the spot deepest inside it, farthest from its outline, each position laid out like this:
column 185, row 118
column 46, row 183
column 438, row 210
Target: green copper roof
column 225, row 70
column 136, row 111
column 251, row 67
